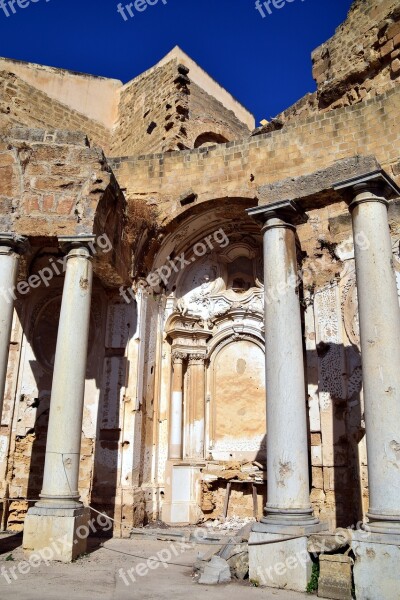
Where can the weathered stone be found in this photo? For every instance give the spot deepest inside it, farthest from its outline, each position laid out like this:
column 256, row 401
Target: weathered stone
column 239, row 565
column 216, row 571
column 335, row 577
column 329, row 542
column 376, row 569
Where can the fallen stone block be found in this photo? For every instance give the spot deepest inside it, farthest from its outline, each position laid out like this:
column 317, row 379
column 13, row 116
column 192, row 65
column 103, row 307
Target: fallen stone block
column 239, row 565
column 216, row 571
column 321, row 543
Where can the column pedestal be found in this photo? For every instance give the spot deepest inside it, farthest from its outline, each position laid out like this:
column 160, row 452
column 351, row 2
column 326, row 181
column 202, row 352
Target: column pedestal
column 57, row 523
column 288, row 512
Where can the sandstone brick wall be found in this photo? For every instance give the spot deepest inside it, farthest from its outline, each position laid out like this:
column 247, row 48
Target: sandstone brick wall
column 22, row 104
column 208, row 115
column 361, row 59
column 53, row 183
column 238, row 169
column 162, row 110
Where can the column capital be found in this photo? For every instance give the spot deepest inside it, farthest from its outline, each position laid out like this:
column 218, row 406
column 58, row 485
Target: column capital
column 178, row 357
column 77, row 242
column 286, row 211
column 196, row 358
column 376, row 186
column 13, row 242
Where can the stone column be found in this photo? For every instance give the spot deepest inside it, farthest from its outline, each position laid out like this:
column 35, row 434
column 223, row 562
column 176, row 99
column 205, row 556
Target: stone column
column 10, row 250
column 377, row 550
column 176, row 412
column 287, row 442
column 196, row 408
column 379, row 316
column 60, row 511
column 288, row 510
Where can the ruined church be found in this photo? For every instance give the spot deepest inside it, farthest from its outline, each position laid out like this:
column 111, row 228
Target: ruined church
column 200, row 316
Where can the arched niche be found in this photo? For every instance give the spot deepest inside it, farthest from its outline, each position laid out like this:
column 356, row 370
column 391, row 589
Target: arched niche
column 237, row 398
column 209, row 138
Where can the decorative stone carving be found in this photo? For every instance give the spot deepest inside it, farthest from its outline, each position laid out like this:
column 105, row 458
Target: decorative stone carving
column 178, row 357
column 196, row 358
column 329, row 345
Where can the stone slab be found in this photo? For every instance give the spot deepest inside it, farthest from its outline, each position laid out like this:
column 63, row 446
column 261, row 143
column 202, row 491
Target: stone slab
column 376, row 570
column 335, row 578
column 279, row 563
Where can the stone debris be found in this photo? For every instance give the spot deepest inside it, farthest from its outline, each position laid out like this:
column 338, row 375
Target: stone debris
column 233, row 523
column 234, row 551
column 216, row 571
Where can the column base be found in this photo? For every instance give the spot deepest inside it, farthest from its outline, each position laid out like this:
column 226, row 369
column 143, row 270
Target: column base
column 383, row 523
column 376, row 570
column 56, row 534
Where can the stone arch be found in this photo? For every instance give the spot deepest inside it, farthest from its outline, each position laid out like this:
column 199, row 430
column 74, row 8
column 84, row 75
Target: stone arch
column 209, row 138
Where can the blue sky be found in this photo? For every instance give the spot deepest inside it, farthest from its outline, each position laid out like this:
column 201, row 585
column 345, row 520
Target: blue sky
column 264, row 62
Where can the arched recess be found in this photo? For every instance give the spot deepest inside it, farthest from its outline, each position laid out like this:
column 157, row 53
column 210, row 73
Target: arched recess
column 236, row 423
column 209, row 138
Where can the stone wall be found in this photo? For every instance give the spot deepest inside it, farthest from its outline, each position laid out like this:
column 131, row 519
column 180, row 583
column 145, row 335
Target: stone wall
column 361, row 60
column 55, row 182
column 26, row 105
column 180, row 181
column 163, row 110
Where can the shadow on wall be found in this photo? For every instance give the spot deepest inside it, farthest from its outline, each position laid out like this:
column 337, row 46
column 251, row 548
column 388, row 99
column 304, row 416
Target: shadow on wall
column 339, row 484
column 99, row 451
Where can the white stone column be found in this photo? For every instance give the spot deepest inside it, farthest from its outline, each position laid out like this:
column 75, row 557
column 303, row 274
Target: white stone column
column 287, row 441
column 9, row 259
column 176, row 411
column 60, row 508
column 377, row 550
column 288, row 510
column 380, row 347
column 196, row 408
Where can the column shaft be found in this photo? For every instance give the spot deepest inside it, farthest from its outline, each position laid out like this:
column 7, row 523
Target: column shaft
column 8, row 279
column 61, row 472
column 176, row 412
column 287, row 446
column 380, row 351
column 196, row 370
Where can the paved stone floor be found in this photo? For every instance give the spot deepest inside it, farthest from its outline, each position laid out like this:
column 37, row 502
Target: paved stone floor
column 96, row 575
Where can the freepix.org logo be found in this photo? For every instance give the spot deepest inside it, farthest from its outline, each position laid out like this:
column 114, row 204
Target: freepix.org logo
column 128, row 11
column 9, row 7
column 268, row 6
